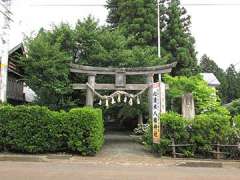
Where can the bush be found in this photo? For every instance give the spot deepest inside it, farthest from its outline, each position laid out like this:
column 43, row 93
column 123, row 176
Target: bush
column 203, row 132
column 234, row 138
column 60, row 118
column 210, row 129
column 85, row 130
column 234, row 107
column 35, row 129
column 173, row 127
column 236, row 121
column 5, row 113
column 30, row 129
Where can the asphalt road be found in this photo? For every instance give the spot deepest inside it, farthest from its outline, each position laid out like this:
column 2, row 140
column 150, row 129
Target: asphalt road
column 89, row 171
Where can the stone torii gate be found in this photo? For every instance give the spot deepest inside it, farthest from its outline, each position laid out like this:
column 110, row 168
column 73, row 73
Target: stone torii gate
column 121, row 85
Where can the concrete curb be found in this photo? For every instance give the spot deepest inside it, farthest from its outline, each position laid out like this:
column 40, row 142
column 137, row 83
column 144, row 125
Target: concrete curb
column 208, row 164
column 33, row 158
column 200, row 164
column 23, row 158
column 165, row 161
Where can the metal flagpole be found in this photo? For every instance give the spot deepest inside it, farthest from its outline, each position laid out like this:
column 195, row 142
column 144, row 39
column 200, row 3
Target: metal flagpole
column 4, row 41
column 159, row 33
column 162, row 85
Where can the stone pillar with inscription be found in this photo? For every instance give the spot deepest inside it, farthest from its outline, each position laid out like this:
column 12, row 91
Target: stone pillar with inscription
column 188, row 107
column 90, row 94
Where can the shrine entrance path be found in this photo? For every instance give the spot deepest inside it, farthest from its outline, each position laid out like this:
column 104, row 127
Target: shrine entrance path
column 122, row 148
column 118, row 144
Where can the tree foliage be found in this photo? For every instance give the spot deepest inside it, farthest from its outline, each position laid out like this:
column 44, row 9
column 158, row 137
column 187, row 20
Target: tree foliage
column 207, row 65
column 129, row 41
column 205, row 97
column 233, row 83
column 178, row 41
column 46, row 65
column 234, row 107
column 136, row 18
column 229, row 79
column 209, row 129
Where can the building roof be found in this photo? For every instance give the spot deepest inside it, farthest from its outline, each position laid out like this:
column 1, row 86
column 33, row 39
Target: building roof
column 13, row 58
column 211, row 79
column 19, row 46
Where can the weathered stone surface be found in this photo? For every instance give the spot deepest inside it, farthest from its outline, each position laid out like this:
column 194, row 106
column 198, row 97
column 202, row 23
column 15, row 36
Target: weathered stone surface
column 129, row 71
column 90, row 94
column 128, row 87
column 120, row 80
column 188, row 107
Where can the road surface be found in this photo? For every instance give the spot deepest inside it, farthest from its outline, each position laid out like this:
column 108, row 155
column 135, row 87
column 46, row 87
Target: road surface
column 90, row 171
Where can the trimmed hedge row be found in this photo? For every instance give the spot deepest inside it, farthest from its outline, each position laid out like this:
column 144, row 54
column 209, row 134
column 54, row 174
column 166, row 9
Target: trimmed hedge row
column 202, row 132
column 35, row 129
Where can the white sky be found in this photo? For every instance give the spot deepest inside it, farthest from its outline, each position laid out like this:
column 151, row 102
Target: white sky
column 215, row 28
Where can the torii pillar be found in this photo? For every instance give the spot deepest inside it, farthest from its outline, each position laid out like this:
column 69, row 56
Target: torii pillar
column 90, row 93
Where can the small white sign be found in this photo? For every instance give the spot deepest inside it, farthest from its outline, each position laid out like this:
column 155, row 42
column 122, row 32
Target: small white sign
column 163, row 98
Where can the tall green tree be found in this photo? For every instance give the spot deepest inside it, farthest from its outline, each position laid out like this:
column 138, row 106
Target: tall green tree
column 113, row 15
column 178, row 41
column 46, row 68
column 46, row 65
column 233, row 84
column 207, row 65
column 102, row 46
column 136, row 18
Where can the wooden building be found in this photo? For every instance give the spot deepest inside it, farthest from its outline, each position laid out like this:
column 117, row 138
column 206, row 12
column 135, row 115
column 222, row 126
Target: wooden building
column 15, row 83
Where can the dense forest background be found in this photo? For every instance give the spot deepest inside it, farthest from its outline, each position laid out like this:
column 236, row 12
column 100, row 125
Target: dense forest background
column 129, row 40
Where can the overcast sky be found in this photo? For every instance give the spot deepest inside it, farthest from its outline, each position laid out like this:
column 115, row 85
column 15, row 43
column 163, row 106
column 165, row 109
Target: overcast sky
column 215, row 28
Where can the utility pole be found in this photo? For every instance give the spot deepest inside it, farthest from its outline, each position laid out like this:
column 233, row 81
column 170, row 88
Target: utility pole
column 4, row 41
column 159, row 30
column 159, row 34
column 161, row 84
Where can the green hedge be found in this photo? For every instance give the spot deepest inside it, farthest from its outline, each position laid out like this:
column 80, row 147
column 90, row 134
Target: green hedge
column 5, row 113
column 209, row 129
column 35, row 129
column 203, row 133
column 173, row 126
column 85, row 130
